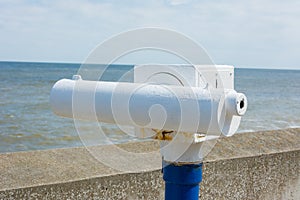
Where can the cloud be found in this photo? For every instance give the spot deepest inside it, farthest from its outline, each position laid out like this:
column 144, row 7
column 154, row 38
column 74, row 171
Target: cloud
column 177, row 2
column 255, row 33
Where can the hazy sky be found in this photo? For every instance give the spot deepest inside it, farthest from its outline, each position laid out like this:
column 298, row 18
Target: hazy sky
column 261, row 34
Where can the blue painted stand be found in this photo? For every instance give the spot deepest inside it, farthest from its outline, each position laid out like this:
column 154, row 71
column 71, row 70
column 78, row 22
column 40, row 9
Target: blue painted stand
column 182, row 181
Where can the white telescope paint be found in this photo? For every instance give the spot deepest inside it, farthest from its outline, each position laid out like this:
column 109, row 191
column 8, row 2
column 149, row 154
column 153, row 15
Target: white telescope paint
column 193, row 147
column 198, row 103
column 215, row 78
column 184, row 109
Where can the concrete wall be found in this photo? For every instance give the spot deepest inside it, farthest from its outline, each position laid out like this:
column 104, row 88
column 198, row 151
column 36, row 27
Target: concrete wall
column 262, row 165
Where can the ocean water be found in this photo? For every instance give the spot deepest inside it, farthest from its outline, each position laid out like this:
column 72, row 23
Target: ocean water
column 27, row 123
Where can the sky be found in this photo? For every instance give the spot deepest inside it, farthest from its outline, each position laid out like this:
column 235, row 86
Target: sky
column 258, row 34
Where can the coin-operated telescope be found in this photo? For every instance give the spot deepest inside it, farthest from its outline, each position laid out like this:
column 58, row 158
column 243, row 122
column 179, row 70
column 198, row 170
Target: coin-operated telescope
column 182, row 105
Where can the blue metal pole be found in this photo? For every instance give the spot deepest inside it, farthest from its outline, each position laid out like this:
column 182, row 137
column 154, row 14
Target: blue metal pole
column 182, row 181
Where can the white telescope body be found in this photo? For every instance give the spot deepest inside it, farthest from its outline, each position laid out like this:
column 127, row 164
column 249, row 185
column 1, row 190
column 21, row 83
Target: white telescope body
column 176, row 98
column 168, row 107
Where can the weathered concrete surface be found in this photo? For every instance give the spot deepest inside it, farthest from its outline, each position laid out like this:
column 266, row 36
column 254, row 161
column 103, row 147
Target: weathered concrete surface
column 272, row 176
column 34, row 168
column 262, row 165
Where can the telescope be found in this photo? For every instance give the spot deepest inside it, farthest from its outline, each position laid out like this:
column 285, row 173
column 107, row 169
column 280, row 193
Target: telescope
column 183, row 106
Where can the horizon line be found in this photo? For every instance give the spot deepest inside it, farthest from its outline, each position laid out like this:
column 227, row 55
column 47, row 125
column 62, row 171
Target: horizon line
column 71, row 62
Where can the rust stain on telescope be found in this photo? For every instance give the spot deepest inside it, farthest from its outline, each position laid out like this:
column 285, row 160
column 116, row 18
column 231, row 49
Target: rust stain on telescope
column 168, row 134
column 163, row 134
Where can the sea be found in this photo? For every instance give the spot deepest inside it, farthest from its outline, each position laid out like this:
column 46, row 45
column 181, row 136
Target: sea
column 27, row 122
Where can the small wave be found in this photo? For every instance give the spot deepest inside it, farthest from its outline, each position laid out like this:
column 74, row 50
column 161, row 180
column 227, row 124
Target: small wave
column 293, row 126
column 9, row 116
column 246, row 131
column 17, row 135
